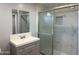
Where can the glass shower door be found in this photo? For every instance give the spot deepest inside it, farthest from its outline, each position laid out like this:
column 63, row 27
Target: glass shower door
column 45, row 32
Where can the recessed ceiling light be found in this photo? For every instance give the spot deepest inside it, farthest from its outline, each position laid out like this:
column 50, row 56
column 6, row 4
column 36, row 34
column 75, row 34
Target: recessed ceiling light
column 48, row 14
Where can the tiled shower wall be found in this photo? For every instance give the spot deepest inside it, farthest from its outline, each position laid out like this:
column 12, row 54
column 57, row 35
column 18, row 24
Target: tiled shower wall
column 65, row 39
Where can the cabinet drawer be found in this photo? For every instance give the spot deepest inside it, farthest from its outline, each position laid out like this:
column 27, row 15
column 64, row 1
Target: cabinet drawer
column 25, row 50
column 20, row 52
column 27, row 45
column 33, row 50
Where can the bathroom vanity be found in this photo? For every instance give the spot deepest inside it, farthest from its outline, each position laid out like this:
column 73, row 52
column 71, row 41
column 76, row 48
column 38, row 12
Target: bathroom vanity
column 25, row 46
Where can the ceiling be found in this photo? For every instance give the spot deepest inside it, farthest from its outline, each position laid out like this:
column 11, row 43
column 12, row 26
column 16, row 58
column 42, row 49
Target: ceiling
column 49, row 5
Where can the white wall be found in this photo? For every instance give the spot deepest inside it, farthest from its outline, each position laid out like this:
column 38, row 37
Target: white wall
column 6, row 21
column 78, row 30
column 5, row 26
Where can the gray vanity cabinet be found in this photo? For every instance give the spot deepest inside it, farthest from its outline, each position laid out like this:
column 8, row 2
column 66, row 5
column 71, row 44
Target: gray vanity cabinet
column 27, row 49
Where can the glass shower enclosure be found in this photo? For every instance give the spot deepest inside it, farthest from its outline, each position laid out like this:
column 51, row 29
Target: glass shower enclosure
column 58, row 31
column 46, row 32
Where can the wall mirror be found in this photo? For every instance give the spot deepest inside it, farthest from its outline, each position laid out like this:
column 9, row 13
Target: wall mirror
column 20, row 20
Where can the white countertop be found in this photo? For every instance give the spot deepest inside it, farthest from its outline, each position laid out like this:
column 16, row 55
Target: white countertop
column 20, row 42
column 16, row 41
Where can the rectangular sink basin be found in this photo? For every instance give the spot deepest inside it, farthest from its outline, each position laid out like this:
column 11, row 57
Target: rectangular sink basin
column 22, row 39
